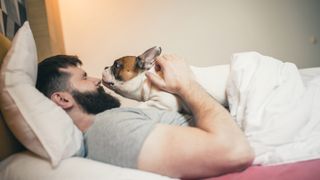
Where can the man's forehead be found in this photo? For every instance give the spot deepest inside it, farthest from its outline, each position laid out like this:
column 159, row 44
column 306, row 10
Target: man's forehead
column 74, row 70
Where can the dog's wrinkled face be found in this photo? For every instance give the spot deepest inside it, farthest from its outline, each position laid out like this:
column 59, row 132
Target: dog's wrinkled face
column 125, row 68
column 128, row 68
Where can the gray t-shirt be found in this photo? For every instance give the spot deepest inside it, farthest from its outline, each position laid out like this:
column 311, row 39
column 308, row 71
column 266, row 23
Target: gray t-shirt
column 117, row 135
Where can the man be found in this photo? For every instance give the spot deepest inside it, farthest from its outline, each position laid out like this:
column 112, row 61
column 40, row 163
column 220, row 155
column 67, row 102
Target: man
column 162, row 142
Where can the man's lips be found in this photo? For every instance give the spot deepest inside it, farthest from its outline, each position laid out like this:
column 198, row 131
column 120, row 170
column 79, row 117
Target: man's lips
column 108, row 84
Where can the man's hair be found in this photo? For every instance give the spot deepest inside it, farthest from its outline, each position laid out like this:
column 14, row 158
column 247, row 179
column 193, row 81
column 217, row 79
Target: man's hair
column 50, row 77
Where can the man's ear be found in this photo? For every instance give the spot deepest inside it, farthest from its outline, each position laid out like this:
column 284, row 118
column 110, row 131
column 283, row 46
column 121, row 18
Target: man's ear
column 63, row 99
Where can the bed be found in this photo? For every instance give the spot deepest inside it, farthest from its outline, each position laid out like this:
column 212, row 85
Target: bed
column 41, row 160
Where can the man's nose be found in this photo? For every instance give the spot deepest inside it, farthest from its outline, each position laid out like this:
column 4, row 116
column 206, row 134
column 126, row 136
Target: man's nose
column 96, row 81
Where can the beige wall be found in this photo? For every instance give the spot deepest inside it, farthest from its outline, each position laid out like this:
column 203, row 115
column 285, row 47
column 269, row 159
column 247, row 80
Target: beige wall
column 44, row 19
column 205, row 32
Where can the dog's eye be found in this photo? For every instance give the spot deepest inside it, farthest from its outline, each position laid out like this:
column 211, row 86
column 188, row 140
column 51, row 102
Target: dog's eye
column 117, row 64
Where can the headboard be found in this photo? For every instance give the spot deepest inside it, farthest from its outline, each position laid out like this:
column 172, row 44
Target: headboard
column 8, row 142
column 13, row 14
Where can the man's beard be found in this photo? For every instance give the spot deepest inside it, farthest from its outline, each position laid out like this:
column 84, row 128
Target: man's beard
column 96, row 101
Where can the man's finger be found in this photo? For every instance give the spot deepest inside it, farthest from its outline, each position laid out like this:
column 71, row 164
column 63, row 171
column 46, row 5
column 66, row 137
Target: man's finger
column 156, row 80
column 161, row 60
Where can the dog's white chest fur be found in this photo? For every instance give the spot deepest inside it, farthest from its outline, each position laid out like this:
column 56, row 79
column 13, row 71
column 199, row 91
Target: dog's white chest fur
column 154, row 97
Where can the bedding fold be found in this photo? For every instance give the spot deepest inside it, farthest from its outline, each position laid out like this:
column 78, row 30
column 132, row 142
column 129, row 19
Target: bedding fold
column 277, row 111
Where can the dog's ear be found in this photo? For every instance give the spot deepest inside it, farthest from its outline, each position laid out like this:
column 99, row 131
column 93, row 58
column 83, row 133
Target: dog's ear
column 146, row 60
column 140, row 63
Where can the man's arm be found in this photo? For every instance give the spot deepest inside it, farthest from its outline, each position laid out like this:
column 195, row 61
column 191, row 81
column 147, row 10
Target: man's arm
column 215, row 146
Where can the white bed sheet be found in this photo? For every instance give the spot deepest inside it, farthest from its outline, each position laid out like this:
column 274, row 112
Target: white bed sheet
column 278, row 112
column 307, row 74
column 27, row 166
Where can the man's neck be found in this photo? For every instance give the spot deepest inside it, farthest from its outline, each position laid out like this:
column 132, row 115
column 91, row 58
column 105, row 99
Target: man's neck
column 81, row 119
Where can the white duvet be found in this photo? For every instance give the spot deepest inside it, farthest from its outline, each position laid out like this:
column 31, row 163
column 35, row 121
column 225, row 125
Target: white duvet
column 278, row 112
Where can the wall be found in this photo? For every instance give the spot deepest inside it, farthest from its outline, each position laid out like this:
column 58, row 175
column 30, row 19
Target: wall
column 205, row 32
column 44, row 19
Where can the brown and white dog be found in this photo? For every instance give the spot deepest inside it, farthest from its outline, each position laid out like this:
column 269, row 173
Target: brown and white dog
column 127, row 77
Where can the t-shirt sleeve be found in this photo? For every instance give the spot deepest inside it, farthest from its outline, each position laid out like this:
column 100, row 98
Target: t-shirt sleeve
column 116, row 137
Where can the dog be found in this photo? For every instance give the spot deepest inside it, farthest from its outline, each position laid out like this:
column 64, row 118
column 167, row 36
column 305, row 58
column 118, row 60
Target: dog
column 127, row 77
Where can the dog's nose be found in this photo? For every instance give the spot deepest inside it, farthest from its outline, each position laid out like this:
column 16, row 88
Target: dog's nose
column 110, row 83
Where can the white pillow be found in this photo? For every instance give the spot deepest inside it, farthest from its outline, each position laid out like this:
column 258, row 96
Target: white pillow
column 26, row 166
column 214, row 80
column 39, row 124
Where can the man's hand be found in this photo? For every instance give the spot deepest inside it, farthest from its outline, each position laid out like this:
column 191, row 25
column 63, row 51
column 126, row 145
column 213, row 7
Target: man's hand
column 216, row 145
column 177, row 76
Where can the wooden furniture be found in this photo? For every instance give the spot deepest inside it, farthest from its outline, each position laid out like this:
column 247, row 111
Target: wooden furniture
column 44, row 19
